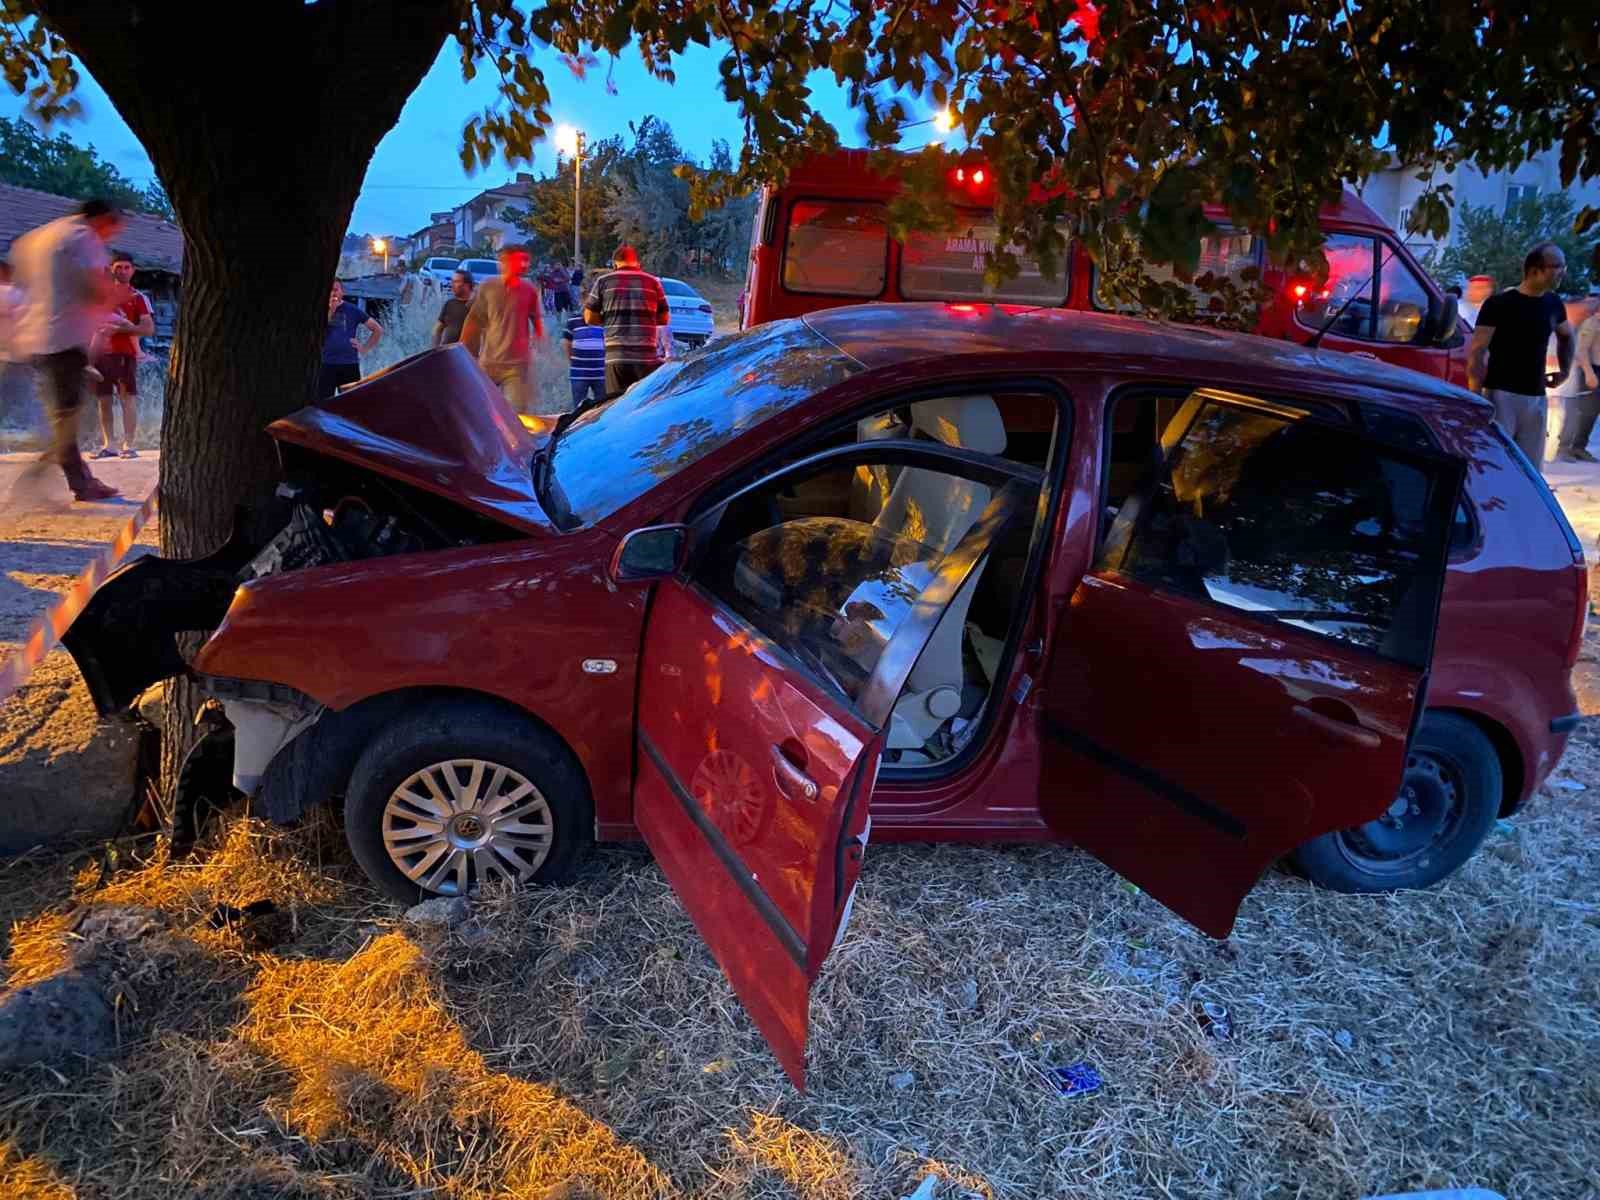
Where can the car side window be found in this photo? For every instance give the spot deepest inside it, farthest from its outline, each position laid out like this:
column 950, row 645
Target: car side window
column 1288, row 519
column 1347, row 291
column 1402, row 300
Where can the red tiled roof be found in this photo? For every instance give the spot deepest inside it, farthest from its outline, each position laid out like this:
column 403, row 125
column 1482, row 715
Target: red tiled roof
column 155, row 244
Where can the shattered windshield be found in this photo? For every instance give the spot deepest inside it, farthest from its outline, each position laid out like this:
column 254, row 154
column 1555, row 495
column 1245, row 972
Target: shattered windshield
column 684, row 410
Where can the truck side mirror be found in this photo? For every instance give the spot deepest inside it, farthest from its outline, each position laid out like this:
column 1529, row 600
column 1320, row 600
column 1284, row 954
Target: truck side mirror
column 1443, row 316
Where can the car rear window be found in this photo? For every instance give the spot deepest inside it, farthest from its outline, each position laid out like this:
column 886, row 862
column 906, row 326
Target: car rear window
column 441, row 262
column 673, row 288
column 481, row 266
column 683, row 411
column 836, row 248
column 949, row 266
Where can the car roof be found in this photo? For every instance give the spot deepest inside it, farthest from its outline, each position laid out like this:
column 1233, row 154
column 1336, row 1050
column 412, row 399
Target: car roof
column 883, row 335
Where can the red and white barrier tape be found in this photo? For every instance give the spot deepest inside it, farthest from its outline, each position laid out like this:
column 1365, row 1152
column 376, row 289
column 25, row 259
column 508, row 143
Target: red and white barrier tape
column 47, row 630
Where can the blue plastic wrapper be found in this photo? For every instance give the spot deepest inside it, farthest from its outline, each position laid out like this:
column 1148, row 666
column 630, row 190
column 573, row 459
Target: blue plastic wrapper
column 1075, row 1079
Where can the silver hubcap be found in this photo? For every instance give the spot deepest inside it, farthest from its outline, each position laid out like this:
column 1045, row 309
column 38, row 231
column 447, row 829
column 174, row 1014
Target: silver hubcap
column 458, row 824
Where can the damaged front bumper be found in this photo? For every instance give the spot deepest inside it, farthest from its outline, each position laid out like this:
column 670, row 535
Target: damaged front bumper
column 265, row 717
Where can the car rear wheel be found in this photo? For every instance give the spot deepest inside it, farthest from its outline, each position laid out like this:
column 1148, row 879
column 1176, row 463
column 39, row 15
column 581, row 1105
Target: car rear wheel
column 1449, row 798
column 464, row 793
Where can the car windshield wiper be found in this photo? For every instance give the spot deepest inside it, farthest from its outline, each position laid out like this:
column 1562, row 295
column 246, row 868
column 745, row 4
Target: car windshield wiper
column 545, row 487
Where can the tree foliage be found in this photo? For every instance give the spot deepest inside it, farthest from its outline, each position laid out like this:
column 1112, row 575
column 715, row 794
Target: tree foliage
column 638, row 193
column 29, row 158
column 1491, row 241
column 1114, row 120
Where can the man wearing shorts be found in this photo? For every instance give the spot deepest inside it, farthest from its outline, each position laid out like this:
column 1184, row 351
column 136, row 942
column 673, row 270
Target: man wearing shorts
column 117, row 358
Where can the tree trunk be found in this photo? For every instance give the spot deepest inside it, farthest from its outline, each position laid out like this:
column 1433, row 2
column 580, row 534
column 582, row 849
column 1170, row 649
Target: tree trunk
column 261, row 139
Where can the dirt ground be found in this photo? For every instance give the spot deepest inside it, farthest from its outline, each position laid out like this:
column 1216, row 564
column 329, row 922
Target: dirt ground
column 60, row 768
column 581, row 1042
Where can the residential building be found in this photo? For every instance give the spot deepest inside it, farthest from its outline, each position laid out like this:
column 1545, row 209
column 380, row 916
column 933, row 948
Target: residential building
column 479, row 221
column 1393, row 190
column 155, row 245
column 437, row 236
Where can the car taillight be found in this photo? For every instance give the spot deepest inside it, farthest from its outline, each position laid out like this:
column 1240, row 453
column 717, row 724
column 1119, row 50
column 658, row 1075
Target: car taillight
column 1580, row 618
column 705, row 308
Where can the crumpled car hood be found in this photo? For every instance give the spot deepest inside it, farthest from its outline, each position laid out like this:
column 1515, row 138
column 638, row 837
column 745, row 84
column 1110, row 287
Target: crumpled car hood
column 437, row 422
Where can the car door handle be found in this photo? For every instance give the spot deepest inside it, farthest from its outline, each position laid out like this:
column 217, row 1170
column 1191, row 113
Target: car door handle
column 791, row 780
column 1346, row 731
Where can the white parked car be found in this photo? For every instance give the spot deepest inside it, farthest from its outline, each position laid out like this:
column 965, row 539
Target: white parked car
column 691, row 313
column 481, row 269
column 439, row 270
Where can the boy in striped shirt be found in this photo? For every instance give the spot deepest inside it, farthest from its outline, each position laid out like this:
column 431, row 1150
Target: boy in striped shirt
column 586, row 350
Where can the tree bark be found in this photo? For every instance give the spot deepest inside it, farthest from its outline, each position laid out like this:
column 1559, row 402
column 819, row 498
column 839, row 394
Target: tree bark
column 261, row 138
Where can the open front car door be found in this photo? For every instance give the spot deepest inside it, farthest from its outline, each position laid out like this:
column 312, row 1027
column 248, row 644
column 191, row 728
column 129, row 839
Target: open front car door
column 771, row 669
column 1245, row 664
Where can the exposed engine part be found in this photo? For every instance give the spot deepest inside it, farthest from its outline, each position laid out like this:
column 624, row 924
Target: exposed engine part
column 306, row 541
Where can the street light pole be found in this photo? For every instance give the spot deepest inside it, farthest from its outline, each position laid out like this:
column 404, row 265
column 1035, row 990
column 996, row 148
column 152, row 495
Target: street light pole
column 571, row 139
column 577, row 198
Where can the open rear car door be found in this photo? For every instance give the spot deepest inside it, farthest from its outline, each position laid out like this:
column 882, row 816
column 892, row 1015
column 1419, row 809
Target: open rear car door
column 1245, row 664
column 758, row 739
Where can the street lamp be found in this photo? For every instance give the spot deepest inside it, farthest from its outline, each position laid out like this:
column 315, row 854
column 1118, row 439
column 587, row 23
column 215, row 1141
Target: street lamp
column 379, row 246
column 570, row 141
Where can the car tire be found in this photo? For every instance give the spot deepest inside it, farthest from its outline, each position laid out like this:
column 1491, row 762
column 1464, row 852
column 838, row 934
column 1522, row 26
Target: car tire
column 505, row 777
column 1451, row 794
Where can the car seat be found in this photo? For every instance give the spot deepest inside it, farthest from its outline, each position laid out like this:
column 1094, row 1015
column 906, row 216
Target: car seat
column 937, row 510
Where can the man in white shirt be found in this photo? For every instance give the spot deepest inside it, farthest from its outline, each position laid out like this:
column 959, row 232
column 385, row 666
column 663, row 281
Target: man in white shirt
column 62, row 268
column 1580, row 394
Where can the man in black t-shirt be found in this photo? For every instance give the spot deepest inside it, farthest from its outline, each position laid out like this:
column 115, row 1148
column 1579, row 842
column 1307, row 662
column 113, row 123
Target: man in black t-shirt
column 1506, row 360
column 454, row 313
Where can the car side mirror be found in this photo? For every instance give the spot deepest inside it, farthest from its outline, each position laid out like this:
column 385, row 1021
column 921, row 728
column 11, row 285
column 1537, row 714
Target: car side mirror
column 1443, row 316
column 653, row 552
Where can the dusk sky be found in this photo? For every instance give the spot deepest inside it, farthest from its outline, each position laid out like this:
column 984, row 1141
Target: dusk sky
column 417, row 168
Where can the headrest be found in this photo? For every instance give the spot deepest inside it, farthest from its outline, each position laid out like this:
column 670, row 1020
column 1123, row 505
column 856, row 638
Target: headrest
column 969, row 422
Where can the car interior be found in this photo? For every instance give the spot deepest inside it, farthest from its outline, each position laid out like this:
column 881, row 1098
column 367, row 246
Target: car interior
column 1269, row 514
column 829, row 565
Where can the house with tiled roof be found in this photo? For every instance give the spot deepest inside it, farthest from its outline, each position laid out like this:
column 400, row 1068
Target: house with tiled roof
column 155, row 245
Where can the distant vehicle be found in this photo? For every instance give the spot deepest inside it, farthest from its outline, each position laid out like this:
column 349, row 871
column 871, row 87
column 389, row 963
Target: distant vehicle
column 480, row 269
column 439, row 270
column 691, row 313
column 822, row 241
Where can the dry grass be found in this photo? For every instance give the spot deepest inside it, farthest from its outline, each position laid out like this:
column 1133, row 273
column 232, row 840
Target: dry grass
column 583, row 1035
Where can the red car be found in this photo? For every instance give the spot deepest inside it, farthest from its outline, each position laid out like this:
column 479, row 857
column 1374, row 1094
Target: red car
column 1195, row 601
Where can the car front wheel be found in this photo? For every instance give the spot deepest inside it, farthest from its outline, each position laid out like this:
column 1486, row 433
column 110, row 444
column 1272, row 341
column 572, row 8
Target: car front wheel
column 463, row 793
column 1449, row 798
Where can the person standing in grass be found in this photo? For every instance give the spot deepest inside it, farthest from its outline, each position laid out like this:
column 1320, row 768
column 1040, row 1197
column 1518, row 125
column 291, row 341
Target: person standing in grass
column 453, row 315
column 343, row 347
column 497, row 328
column 585, row 345
column 630, row 306
column 117, row 358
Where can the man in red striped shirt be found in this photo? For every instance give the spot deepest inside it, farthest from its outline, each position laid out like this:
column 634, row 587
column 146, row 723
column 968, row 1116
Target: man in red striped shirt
column 630, row 304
